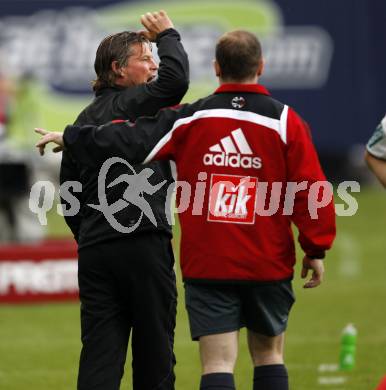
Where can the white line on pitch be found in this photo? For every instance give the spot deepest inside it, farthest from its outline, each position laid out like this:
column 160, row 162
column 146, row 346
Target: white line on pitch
column 331, row 380
column 328, row 367
column 349, row 256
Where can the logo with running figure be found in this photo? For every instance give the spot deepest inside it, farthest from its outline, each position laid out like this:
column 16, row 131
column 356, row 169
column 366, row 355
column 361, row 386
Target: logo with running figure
column 137, row 185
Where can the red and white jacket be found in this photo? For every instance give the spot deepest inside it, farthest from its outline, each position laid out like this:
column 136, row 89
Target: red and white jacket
column 242, row 154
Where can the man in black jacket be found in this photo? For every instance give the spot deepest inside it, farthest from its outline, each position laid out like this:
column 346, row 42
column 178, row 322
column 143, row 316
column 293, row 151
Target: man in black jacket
column 127, row 281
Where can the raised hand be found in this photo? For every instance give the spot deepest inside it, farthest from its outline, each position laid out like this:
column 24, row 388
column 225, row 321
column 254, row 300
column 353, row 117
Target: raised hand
column 155, row 23
column 47, row 137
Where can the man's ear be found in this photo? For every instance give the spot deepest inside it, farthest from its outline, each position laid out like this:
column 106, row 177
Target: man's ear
column 260, row 69
column 116, row 69
column 217, row 69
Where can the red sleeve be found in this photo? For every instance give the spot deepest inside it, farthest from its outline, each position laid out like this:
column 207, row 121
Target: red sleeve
column 316, row 225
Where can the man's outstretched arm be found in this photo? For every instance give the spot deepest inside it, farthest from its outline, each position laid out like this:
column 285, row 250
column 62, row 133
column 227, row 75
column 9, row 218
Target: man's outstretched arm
column 136, row 142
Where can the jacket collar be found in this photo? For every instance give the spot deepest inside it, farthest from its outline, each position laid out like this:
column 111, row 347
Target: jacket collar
column 105, row 90
column 254, row 88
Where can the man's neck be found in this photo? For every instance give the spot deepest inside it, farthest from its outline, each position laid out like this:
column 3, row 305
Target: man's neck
column 253, row 80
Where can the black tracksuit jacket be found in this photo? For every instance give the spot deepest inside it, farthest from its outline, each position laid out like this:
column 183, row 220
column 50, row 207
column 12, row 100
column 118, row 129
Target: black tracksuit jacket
column 89, row 226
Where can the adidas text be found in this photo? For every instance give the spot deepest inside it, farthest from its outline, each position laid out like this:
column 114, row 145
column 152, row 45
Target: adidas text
column 234, row 160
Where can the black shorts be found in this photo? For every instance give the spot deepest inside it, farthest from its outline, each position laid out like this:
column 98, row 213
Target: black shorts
column 220, row 308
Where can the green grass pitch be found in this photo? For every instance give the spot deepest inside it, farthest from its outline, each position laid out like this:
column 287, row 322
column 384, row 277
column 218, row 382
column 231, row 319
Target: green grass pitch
column 39, row 345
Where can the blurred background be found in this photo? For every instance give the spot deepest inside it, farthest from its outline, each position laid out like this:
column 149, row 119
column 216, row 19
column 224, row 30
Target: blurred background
column 326, row 58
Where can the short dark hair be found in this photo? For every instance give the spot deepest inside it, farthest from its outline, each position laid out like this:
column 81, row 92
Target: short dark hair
column 239, row 55
column 115, row 47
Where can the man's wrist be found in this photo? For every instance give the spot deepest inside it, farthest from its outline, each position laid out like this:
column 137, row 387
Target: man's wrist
column 317, row 256
column 166, row 32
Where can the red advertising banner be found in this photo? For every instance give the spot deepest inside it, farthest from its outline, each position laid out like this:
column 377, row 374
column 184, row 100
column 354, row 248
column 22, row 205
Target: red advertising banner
column 43, row 272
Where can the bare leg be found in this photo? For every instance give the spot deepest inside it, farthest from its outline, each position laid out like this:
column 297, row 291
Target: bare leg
column 218, row 355
column 267, row 357
column 264, row 349
column 218, row 352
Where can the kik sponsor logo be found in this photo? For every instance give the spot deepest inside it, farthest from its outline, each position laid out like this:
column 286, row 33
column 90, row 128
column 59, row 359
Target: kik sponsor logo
column 233, row 151
column 232, row 199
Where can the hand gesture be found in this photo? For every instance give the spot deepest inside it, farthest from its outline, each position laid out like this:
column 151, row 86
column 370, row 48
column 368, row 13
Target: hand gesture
column 317, row 267
column 49, row 136
column 155, row 23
